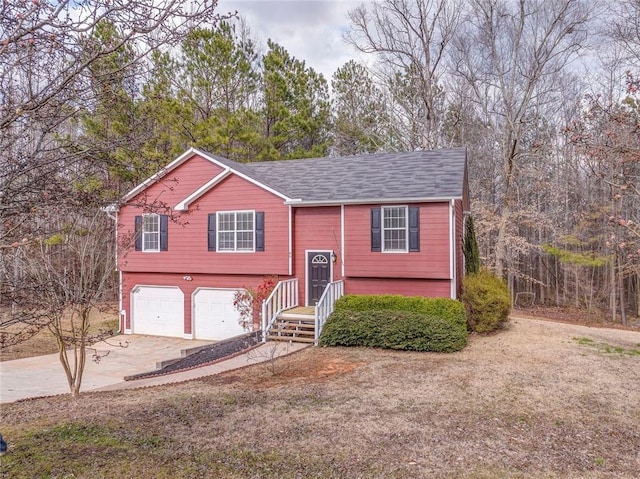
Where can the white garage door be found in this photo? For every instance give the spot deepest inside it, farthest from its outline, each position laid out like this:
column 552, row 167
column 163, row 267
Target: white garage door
column 214, row 316
column 158, row 311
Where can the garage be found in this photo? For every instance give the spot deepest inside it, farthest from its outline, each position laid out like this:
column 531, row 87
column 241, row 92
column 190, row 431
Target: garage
column 158, row 311
column 214, row 316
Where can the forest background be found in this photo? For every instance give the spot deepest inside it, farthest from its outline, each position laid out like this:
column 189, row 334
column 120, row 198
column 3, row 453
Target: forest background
column 97, row 95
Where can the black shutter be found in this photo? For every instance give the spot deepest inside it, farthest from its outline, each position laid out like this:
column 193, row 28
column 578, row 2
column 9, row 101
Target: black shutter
column 164, row 232
column 211, row 232
column 138, row 233
column 376, row 228
column 414, row 228
column 260, row 231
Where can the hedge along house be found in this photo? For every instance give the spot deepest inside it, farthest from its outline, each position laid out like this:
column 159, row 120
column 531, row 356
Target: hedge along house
column 205, row 227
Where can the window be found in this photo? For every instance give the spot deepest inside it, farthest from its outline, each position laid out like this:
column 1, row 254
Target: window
column 236, row 231
column 394, row 228
column 151, row 233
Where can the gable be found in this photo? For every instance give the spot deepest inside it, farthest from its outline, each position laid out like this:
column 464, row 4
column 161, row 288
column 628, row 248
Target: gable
column 191, row 175
column 171, row 184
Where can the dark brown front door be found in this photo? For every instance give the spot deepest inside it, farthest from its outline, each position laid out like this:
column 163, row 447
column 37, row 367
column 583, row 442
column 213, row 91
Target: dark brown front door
column 318, row 274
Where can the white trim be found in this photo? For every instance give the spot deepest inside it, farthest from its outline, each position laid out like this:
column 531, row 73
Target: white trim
column 160, row 174
column 306, row 270
column 123, row 313
column 371, row 201
column 184, row 157
column 406, row 230
column 342, row 240
column 116, row 250
column 260, row 185
column 290, row 240
column 184, row 204
column 452, row 248
column 235, row 250
column 122, row 324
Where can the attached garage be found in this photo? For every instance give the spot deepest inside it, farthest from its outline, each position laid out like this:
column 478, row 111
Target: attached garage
column 158, row 311
column 214, row 316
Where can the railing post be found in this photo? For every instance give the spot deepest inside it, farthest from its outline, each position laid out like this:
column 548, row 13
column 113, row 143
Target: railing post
column 264, row 320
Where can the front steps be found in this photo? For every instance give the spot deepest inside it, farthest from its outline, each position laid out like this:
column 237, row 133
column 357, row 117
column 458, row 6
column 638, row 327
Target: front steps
column 293, row 327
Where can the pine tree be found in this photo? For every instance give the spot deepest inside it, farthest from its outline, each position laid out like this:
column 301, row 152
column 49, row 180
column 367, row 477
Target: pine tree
column 296, row 111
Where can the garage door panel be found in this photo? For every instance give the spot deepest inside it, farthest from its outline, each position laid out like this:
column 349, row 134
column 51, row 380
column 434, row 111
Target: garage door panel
column 214, row 314
column 158, row 311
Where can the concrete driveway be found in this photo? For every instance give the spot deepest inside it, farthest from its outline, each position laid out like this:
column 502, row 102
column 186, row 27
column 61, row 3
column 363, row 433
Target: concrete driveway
column 44, row 376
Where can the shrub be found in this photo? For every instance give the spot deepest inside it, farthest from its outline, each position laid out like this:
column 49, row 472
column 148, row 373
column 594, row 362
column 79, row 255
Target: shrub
column 446, row 308
column 248, row 302
column 394, row 329
column 470, row 248
column 487, row 301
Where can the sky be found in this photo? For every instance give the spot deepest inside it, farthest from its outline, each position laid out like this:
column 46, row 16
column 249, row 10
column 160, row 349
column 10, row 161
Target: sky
column 310, row 30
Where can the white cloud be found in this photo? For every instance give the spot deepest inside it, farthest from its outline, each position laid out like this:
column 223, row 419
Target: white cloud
column 309, row 30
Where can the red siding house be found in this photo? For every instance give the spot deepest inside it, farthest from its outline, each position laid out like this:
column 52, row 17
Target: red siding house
column 205, row 227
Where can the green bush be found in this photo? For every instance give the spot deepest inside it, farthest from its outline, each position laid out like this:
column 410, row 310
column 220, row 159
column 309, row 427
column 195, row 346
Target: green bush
column 394, row 329
column 487, row 301
column 446, row 308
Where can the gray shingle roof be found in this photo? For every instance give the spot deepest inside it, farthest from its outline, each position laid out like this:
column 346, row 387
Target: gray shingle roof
column 426, row 174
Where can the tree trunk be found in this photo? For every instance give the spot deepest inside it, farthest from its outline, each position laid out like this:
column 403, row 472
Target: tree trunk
column 637, row 294
column 501, row 245
column 612, row 294
column 623, row 313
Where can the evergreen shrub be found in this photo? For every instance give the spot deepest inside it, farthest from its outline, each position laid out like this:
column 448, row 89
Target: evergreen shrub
column 436, row 307
column 394, row 329
column 487, row 301
column 397, row 322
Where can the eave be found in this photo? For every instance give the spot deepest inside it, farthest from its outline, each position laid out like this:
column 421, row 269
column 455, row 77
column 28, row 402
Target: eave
column 369, row 201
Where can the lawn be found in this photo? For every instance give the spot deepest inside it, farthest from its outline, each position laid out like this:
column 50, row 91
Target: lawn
column 539, row 400
column 102, row 318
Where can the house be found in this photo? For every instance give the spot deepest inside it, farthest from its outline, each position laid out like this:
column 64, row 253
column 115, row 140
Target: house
column 205, row 227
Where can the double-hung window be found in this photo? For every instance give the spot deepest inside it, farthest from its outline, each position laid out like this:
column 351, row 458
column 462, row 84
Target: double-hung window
column 394, row 229
column 236, row 231
column 151, row 232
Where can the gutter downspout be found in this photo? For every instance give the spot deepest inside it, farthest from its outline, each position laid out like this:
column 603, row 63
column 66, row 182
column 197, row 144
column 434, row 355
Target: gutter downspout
column 109, row 210
column 290, row 240
column 342, row 240
column 452, row 246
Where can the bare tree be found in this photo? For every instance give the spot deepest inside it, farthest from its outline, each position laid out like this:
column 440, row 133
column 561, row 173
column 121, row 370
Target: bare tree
column 625, row 27
column 512, row 58
column 410, row 40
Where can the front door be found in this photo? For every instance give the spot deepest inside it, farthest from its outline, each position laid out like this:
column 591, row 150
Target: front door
column 318, row 274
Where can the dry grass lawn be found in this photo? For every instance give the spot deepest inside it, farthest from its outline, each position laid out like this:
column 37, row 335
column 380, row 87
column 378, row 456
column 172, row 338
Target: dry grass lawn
column 539, row 400
column 102, row 318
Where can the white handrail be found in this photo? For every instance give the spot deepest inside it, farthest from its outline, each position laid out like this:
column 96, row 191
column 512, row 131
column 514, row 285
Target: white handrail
column 327, row 301
column 284, row 296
